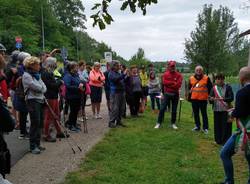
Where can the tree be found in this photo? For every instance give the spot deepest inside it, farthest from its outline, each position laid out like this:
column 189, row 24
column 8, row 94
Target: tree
column 139, row 59
column 214, row 41
column 102, row 16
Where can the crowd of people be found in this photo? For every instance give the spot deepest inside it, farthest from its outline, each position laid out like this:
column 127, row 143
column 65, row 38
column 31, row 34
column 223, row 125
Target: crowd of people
column 41, row 91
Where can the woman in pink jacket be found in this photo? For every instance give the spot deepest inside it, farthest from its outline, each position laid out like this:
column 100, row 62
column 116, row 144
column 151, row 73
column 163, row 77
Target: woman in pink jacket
column 96, row 82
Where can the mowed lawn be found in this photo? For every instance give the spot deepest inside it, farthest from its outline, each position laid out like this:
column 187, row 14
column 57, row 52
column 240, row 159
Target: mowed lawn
column 140, row 154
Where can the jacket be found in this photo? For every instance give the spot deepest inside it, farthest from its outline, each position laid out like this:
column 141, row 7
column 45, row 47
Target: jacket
column 200, row 88
column 34, row 89
column 96, row 78
column 52, row 85
column 72, row 82
column 4, row 92
column 172, row 82
column 116, row 81
column 154, row 86
column 144, row 79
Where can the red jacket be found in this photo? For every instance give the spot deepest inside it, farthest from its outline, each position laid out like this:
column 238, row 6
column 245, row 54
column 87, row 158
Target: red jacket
column 4, row 90
column 172, row 82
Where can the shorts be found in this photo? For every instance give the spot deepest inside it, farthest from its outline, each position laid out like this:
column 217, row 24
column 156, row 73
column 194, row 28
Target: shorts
column 96, row 94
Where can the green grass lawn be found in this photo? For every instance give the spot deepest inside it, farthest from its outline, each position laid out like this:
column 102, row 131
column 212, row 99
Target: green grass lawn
column 140, row 154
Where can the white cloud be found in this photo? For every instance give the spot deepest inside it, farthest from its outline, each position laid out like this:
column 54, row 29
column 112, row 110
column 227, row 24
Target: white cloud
column 162, row 32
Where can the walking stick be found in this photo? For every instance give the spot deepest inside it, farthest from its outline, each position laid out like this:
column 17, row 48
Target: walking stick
column 65, row 132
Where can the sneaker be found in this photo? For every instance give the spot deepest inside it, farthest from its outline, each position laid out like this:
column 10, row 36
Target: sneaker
column 174, row 127
column 41, row 148
column 80, row 119
column 196, row 129
column 35, row 151
column 74, row 129
column 21, row 136
column 158, row 125
column 99, row 116
column 205, row 131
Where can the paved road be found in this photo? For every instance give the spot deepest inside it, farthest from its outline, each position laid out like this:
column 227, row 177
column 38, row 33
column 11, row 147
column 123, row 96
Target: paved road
column 18, row 148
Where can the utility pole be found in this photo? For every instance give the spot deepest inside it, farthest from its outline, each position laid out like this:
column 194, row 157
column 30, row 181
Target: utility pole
column 43, row 40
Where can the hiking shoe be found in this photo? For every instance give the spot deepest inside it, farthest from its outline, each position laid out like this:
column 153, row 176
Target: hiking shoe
column 21, row 136
column 41, row 148
column 35, row 151
column 158, row 125
column 74, row 129
column 80, row 119
column 174, row 127
column 196, row 129
column 49, row 139
column 205, row 131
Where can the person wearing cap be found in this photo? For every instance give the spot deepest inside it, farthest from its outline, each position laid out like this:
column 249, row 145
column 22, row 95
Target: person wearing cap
column 34, row 89
column 51, row 95
column 200, row 86
column 144, row 83
column 172, row 81
column 96, row 82
column 117, row 94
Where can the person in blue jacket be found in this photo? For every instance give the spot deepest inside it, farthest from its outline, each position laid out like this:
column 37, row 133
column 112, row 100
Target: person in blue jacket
column 74, row 89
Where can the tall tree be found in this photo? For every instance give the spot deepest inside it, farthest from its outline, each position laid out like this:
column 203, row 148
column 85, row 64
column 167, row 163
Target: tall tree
column 214, row 40
column 139, row 58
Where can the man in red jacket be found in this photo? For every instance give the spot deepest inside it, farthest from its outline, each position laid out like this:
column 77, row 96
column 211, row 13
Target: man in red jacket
column 172, row 81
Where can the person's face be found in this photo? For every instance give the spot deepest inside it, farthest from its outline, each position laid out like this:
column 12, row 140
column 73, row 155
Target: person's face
column 116, row 67
column 134, row 71
column 198, row 71
column 36, row 67
column 82, row 67
column 97, row 67
column 219, row 82
column 172, row 68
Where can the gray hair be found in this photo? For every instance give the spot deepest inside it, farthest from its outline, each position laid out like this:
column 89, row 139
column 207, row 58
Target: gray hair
column 50, row 63
column 22, row 55
column 198, row 66
column 113, row 63
column 96, row 64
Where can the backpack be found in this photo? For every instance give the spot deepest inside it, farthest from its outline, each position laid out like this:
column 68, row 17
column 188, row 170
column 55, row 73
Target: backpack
column 19, row 88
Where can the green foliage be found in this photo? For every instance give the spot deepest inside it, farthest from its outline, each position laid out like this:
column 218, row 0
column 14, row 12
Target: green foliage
column 24, row 17
column 140, row 154
column 102, row 16
column 139, row 59
column 215, row 43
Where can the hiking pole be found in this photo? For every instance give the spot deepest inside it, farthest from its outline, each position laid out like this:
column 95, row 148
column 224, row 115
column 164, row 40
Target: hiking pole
column 56, row 118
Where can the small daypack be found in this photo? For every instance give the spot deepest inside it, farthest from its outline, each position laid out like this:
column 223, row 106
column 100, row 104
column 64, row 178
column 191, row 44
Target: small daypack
column 19, row 88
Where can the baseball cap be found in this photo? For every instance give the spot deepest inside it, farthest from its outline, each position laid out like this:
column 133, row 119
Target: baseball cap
column 171, row 63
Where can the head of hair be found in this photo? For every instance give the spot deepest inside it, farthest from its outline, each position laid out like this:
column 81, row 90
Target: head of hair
column 2, row 62
column 150, row 65
column 244, row 74
column 71, row 65
column 220, row 76
column 81, row 62
column 152, row 75
column 132, row 67
column 50, row 63
column 96, row 64
column 30, row 61
column 22, row 55
column 198, row 67
column 114, row 63
column 123, row 66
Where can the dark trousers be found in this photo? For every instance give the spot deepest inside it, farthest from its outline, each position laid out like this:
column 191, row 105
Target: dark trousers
column 173, row 99
column 200, row 105
column 117, row 104
column 36, row 119
column 154, row 99
column 134, row 103
column 23, row 121
column 75, row 105
column 222, row 129
column 226, row 154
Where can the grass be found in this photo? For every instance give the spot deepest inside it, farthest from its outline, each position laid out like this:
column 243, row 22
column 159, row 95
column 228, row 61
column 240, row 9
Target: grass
column 140, row 154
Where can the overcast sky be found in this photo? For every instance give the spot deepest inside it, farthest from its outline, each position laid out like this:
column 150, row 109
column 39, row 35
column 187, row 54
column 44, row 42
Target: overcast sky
column 162, row 32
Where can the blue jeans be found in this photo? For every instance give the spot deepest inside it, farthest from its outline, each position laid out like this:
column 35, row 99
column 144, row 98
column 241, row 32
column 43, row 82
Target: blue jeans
column 226, row 156
column 154, row 99
column 174, row 103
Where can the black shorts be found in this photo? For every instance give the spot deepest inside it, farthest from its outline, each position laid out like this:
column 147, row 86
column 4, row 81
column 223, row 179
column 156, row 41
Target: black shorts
column 96, row 94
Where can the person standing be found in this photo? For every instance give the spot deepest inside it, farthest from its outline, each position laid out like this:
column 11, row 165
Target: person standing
column 240, row 139
column 73, row 95
column 221, row 97
column 117, row 94
column 144, row 83
column 172, row 81
column 154, row 90
column 200, row 86
column 34, row 90
column 107, row 86
column 96, row 82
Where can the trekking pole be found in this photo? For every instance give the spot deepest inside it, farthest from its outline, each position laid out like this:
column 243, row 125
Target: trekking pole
column 65, row 132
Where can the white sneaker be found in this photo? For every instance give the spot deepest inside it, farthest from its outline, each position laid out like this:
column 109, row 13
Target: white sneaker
column 158, row 125
column 80, row 119
column 95, row 116
column 99, row 116
column 174, row 127
column 205, row 131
